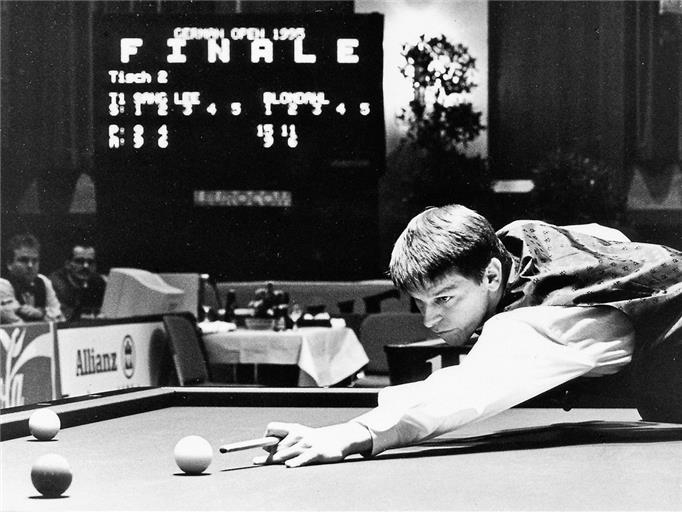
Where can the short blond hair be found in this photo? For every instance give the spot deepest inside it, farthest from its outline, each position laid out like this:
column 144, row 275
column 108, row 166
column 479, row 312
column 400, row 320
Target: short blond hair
column 443, row 239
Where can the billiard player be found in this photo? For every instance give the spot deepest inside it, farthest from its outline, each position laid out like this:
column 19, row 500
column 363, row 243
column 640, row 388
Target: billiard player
column 550, row 303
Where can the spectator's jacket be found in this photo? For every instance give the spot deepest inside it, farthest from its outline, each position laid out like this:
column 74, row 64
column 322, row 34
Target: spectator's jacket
column 78, row 298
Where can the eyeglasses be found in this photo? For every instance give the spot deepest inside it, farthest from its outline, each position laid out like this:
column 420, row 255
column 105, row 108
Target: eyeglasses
column 27, row 259
column 83, row 261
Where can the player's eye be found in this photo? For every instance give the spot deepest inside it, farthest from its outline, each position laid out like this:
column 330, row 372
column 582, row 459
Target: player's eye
column 444, row 299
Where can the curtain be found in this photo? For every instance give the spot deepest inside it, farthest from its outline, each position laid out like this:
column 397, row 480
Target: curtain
column 658, row 84
column 46, row 100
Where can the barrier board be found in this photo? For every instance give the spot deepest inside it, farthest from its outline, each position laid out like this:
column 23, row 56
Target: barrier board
column 27, row 364
column 101, row 358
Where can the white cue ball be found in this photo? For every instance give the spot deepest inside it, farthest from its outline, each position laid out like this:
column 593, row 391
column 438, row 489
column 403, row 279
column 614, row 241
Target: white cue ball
column 193, row 454
column 44, row 424
column 51, row 475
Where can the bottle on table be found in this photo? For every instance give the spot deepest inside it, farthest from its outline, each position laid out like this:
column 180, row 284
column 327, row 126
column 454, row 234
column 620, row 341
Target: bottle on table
column 281, row 309
column 207, row 312
column 230, row 305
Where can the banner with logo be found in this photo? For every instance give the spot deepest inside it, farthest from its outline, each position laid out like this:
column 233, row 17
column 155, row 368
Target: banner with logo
column 101, row 358
column 27, row 364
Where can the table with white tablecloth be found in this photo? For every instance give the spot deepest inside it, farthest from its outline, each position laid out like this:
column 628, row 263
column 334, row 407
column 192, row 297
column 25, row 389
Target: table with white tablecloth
column 325, row 356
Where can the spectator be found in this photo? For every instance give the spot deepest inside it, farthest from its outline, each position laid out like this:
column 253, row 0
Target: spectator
column 35, row 297
column 8, row 304
column 79, row 288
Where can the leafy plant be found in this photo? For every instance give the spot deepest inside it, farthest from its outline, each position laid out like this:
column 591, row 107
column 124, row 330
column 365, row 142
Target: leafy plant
column 438, row 117
column 441, row 123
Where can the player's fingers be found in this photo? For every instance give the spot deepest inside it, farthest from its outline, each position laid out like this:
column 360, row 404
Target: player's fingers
column 284, row 443
column 288, row 441
column 280, row 429
column 283, row 455
column 261, row 460
column 304, row 459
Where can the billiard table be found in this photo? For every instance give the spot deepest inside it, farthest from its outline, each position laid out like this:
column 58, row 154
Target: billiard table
column 120, row 448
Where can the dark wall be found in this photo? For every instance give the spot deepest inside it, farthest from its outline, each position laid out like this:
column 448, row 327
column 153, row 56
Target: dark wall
column 557, row 73
column 600, row 79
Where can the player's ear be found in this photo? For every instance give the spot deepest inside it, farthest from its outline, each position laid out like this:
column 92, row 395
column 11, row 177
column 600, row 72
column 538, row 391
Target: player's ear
column 492, row 277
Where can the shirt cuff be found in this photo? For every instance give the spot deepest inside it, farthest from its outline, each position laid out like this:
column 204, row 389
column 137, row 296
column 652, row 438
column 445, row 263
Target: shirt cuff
column 382, row 438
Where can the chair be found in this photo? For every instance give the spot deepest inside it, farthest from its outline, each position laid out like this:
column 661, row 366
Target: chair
column 381, row 329
column 373, row 302
column 186, row 348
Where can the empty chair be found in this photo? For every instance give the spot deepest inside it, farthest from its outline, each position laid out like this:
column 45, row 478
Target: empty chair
column 185, row 344
column 373, row 303
column 381, row 329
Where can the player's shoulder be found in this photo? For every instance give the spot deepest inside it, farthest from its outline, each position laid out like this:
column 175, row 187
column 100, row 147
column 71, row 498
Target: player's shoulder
column 517, row 228
column 523, row 228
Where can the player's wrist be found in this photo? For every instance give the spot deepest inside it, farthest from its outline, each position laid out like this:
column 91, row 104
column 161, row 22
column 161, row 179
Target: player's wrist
column 358, row 439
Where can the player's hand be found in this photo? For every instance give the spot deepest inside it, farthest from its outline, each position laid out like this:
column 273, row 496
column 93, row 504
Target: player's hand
column 301, row 445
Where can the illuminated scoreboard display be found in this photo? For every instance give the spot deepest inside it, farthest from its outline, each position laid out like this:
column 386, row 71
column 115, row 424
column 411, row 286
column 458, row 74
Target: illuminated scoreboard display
column 244, row 145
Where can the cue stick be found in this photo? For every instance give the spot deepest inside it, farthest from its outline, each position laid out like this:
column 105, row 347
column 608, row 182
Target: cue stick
column 252, row 443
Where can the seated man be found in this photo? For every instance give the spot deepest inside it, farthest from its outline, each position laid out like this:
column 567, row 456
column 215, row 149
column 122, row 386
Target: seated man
column 8, row 304
column 552, row 304
column 35, row 298
column 79, row 288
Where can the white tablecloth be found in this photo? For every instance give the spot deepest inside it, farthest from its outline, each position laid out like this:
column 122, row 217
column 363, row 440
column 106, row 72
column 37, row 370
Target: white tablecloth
column 326, row 355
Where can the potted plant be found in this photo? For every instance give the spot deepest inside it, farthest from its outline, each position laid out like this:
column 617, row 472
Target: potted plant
column 441, row 123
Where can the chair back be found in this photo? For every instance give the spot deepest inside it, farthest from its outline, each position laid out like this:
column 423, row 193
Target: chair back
column 188, row 358
column 382, row 329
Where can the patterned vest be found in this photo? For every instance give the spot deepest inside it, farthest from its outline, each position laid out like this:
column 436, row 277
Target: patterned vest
column 34, row 294
column 558, row 267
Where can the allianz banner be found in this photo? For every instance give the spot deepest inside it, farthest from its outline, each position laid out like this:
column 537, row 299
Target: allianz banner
column 101, row 358
column 27, row 364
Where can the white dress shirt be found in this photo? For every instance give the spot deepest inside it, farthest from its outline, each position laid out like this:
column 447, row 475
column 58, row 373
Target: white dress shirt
column 519, row 354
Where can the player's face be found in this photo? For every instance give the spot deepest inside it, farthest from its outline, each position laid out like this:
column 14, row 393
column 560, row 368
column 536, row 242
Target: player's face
column 82, row 262
column 454, row 306
column 25, row 265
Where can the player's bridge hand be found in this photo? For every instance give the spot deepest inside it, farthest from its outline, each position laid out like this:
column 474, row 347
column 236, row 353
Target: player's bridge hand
column 301, row 445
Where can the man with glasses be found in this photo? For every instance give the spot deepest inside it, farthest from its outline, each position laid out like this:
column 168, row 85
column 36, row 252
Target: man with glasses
column 26, row 293
column 79, row 287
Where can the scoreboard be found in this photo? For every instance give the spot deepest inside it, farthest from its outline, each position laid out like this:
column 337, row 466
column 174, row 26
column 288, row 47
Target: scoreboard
column 249, row 146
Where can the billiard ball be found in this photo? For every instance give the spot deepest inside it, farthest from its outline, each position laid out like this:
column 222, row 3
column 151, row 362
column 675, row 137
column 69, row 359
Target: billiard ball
column 193, row 454
column 44, row 424
column 51, row 475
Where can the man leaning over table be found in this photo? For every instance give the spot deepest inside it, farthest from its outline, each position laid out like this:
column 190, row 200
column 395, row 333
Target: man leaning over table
column 551, row 303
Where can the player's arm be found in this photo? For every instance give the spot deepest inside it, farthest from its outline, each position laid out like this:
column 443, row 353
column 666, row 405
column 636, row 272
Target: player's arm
column 518, row 356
